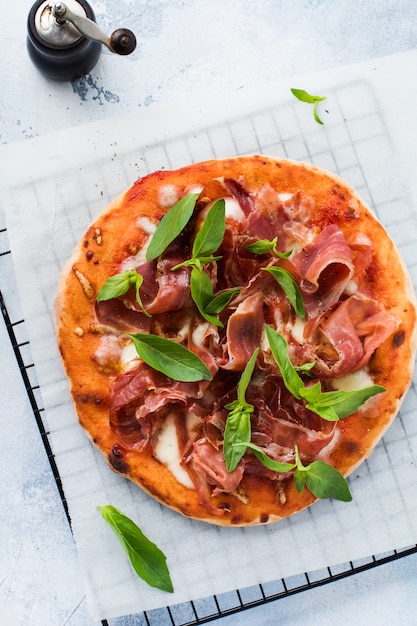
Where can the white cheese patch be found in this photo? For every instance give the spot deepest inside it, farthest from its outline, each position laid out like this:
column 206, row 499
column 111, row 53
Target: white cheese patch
column 129, row 357
column 284, row 197
column 168, row 195
column 147, row 225
column 353, row 381
column 233, row 210
column 199, row 333
column 351, row 287
column 108, row 352
column 297, row 330
column 167, row 452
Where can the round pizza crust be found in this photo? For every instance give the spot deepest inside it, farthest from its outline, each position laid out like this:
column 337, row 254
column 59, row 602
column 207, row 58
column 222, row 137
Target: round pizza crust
column 116, row 235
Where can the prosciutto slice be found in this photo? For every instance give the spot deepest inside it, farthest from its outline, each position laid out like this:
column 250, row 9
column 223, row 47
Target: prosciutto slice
column 138, row 395
column 244, row 332
column 325, row 267
column 354, row 329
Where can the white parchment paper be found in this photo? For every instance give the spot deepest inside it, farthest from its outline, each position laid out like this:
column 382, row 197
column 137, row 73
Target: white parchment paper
column 54, row 186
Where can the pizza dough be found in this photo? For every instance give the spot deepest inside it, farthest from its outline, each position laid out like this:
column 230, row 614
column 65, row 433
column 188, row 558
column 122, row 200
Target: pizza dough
column 359, row 329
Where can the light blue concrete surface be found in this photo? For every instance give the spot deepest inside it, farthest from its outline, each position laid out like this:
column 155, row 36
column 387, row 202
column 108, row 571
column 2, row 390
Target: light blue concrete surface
column 184, row 49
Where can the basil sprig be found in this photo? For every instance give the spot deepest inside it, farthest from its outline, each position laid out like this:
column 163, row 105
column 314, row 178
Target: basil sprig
column 148, row 561
column 119, row 284
column 171, row 225
column 290, row 288
column 170, row 358
column 208, row 238
column 303, row 96
column 206, row 242
column 237, row 432
column 322, row 479
column 330, row 405
column 263, row 246
column 203, row 296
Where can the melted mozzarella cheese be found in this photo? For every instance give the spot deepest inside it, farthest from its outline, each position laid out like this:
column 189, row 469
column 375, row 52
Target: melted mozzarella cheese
column 146, row 225
column 168, row 195
column 233, row 210
column 297, row 330
column 167, row 452
column 353, row 381
column 129, row 357
column 284, row 197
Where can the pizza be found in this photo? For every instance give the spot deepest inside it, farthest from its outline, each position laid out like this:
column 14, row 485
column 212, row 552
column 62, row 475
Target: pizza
column 232, row 328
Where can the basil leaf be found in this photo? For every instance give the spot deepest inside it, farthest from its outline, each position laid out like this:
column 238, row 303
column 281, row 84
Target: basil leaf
column 171, row 225
column 211, row 233
column 325, row 481
column 262, row 246
column 303, row 96
column 305, row 368
column 148, row 561
column 170, row 358
column 237, row 432
column 119, row 284
column 299, row 480
column 245, row 378
column 221, row 301
column 275, row 466
column 345, row 403
column 278, row 346
column 237, row 435
column 115, row 286
column 202, row 294
column 290, row 287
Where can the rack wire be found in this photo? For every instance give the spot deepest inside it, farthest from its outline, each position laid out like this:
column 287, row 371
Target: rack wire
column 338, row 157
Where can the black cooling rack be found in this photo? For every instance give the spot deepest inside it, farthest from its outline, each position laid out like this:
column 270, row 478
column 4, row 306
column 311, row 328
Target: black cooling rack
column 207, row 609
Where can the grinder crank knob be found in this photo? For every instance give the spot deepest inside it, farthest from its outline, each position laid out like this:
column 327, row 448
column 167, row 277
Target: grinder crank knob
column 64, row 41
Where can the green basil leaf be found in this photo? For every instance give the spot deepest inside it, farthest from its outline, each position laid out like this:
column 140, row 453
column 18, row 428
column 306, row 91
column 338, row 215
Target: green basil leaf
column 305, row 368
column 170, row 358
column 290, row 287
column 303, row 96
column 139, row 281
column 325, row 481
column 262, row 246
column 148, row 561
column 202, row 294
column 237, row 435
column 275, row 466
column 345, row 403
column 326, row 412
column 171, row 225
column 316, row 112
column 238, row 427
column 211, row 233
column 115, row 286
column 299, row 480
column 221, row 301
column 279, row 349
column 245, row 378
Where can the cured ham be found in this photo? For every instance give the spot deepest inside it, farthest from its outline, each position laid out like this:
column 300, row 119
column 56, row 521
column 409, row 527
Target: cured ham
column 325, row 267
column 345, row 337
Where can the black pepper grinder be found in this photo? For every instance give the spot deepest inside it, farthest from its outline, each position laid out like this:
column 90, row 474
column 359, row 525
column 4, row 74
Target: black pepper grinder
column 64, row 41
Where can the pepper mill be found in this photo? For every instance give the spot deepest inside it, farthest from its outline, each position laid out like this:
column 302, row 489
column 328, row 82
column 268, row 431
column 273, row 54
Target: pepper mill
column 64, row 41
